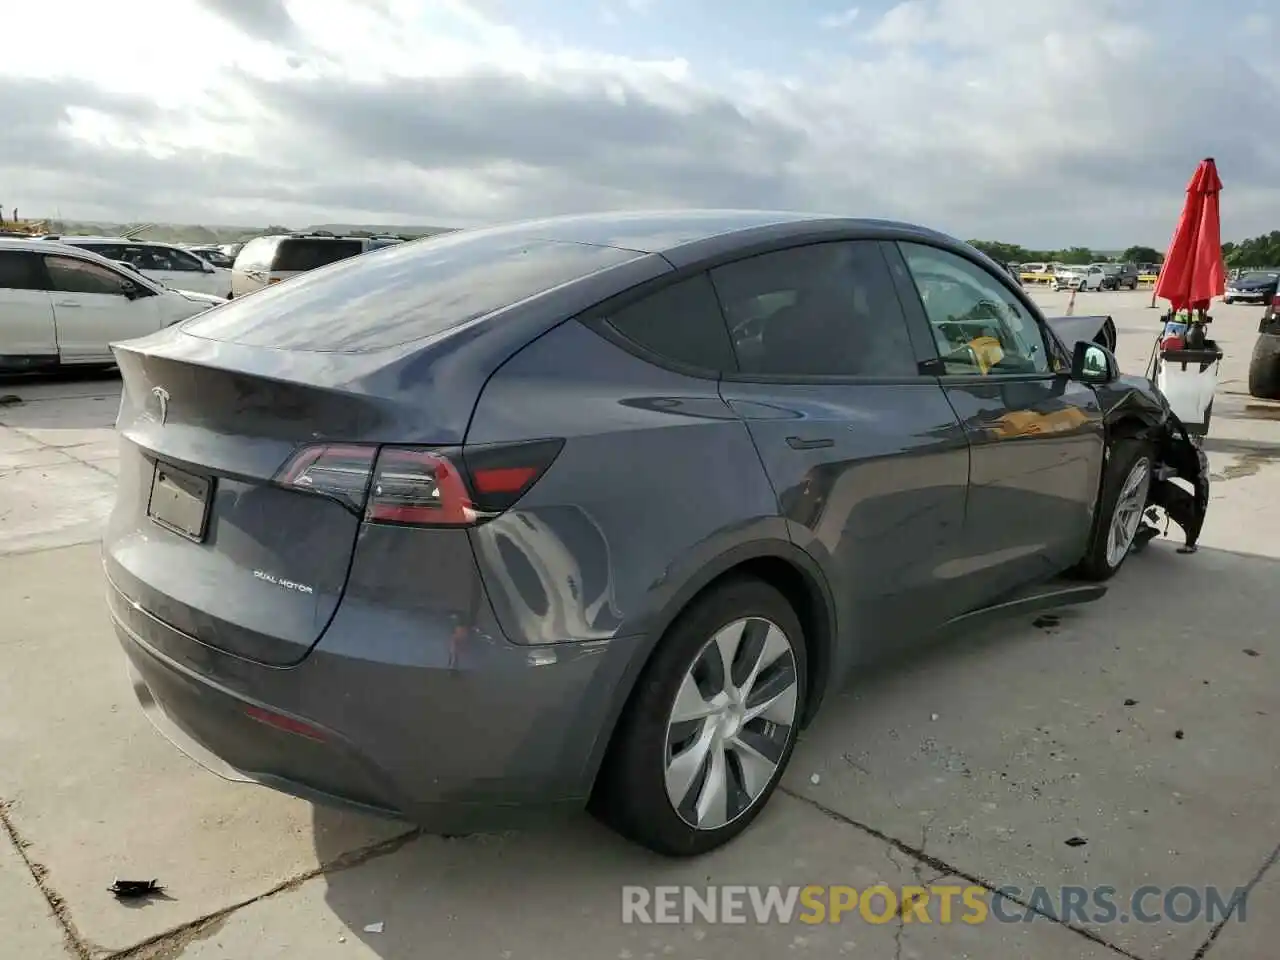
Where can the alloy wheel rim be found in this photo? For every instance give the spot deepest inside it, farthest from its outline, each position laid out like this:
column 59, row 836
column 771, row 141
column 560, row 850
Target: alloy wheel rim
column 731, row 722
column 1127, row 516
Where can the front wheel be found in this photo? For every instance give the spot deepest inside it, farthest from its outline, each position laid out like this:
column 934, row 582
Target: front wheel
column 711, row 725
column 1227, row 300
column 1121, row 503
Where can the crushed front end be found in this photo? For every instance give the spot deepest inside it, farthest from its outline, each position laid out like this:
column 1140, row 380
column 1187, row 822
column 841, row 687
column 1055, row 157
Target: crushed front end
column 1178, row 457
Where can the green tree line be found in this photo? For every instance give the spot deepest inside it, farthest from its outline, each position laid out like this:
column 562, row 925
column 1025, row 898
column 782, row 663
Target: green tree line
column 1263, row 251
column 1013, row 253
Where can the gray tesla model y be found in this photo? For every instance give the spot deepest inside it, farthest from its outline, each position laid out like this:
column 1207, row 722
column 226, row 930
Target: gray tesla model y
column 595, row 510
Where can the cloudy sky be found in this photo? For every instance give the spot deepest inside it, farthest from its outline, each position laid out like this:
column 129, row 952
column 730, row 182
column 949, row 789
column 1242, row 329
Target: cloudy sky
column 1040, row 123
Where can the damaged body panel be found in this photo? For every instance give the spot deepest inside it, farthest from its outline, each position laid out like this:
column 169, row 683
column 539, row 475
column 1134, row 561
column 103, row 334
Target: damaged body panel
column 1134, row 406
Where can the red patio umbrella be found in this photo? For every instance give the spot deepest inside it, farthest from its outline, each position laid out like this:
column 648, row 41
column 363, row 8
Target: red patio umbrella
column 1193, row 272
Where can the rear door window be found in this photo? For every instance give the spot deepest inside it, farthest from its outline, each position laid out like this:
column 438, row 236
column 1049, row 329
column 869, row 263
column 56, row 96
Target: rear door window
column 20, row 270
column 681, row 323
column 300, row 255
column 70, row 275
column 823, row 310
column 178, row 261
column 405, row 293
column 112, row 251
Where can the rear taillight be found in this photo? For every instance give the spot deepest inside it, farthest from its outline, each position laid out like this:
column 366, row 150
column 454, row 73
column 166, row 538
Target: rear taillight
column 1275, row 304
column 337, row 470
column 421, row 486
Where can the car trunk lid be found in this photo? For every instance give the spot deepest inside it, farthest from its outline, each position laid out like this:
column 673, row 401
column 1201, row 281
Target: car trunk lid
column 204, row 535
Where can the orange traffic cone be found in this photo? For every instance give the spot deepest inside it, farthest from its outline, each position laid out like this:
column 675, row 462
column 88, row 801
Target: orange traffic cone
column 1071, row 303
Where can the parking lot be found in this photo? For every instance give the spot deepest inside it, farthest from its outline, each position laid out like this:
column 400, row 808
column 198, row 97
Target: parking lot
column 1143, row 725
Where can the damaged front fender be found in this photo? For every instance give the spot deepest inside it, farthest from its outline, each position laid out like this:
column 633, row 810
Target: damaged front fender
column 1178, row 457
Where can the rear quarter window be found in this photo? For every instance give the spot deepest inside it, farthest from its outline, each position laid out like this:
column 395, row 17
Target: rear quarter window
column 405, row 293
column 681, row 323
column 298, row 256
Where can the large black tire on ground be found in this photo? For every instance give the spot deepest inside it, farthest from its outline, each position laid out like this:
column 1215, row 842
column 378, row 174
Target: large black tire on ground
column 630, row 793
column 1126, row 453
column 1264, row 367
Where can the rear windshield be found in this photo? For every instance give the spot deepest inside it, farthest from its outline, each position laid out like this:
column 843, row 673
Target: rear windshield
column 296, row 256
column 407, row 292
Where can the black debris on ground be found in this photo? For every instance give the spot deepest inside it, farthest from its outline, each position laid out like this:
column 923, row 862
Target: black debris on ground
column 134, row 889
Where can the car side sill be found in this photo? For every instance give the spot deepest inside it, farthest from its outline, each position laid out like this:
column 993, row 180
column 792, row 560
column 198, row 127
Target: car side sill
column 1047, row 596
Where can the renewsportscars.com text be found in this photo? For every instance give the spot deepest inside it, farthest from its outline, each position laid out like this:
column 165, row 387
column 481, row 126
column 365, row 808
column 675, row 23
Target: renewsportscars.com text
column 936, row 903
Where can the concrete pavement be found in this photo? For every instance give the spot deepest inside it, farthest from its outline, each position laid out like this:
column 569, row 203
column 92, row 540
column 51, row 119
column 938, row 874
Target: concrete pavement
column 974, row 762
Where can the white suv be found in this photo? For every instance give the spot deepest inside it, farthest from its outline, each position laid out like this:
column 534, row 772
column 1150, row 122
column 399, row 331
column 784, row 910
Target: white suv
column 162, row 262
column 267, row 260
column 65, row 305
column 1079, row 278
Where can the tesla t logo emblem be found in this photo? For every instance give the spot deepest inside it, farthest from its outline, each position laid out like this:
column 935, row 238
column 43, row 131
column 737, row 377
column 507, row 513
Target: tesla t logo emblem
column 162, row 402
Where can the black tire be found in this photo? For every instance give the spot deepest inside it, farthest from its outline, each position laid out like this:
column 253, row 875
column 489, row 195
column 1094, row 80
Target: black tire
column 1264, row 367
column 630, row 794
column 1125, row 454
column 1227, row 300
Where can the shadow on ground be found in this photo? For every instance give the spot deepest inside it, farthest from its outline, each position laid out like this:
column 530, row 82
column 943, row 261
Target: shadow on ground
column 1142, row 724
column 73, row 400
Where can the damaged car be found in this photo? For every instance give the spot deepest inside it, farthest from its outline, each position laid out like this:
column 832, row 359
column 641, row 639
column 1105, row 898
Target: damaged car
column 597, row 511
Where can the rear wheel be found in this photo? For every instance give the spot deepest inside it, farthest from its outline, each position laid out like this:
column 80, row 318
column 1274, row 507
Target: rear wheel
column 1118, row 516
column 1264, row 367
column 712, row 723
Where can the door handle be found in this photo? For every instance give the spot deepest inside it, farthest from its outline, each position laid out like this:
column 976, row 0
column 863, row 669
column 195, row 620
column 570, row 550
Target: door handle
column 65, row 305
column 818, row 443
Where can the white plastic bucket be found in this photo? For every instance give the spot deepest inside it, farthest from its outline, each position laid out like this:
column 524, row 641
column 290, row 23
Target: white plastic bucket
column 1189, row 379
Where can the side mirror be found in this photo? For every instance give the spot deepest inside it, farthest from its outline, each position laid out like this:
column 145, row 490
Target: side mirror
column 131, row 290
column 1093, row 363
column 209, row 268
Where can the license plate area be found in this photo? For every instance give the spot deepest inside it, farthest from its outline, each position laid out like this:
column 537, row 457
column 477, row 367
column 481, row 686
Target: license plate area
column 180, row 501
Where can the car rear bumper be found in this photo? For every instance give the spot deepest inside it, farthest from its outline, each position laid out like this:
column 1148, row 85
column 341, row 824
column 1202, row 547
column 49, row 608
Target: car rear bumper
column 476, row 733
column 1249, row 296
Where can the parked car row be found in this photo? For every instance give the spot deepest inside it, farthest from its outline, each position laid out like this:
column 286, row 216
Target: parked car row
column 1097, row 276
column 65, row 298
column 164, row 263
column 64, row 304
column 1094, row 276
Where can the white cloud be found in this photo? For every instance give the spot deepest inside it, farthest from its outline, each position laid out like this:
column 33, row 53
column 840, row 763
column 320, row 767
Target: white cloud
column 980, row 117
column 835, row 21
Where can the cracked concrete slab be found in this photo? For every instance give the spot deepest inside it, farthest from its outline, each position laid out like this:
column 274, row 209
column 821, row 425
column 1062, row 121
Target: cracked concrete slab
column 1256, row 931
column 30, row 930
column 494, row 897
column 53, row 505
column 1034, row 743
column 13, row 442
column 99, row 794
